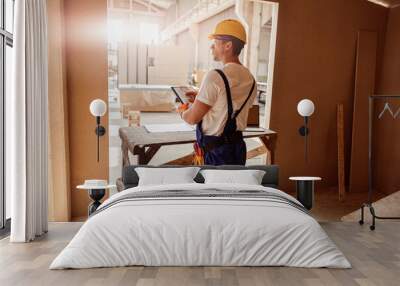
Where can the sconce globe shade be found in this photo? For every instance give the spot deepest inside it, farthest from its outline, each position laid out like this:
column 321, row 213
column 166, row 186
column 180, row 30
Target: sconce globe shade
column 305, row 107
column 98, row 107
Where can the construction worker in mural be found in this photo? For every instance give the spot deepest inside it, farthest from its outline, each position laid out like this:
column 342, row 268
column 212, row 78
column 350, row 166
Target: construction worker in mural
column 220, row 107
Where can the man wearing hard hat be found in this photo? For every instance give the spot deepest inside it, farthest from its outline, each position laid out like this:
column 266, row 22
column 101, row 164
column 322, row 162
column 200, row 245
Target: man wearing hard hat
column 221, row 106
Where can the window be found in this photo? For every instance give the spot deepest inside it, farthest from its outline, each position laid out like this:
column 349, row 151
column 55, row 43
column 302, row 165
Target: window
column 6, row 64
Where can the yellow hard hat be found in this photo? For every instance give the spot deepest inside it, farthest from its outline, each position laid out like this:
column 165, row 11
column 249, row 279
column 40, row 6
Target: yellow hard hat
column 229, row 27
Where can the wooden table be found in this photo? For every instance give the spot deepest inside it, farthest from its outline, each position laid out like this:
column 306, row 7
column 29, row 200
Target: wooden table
column 137, row 139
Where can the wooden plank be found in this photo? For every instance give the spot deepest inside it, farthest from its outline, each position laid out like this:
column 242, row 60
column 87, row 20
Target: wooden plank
column 394, row 3
column 256, row 152
column 341, row 158
column 59, row 180
column 364, row 87
column 139, row 136
column 136, row 139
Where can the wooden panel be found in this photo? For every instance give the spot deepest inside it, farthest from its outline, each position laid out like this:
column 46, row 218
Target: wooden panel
column 315, row 59
column 86, row 61
column 341, row 158
column 386, row 151
column 364, row 87
column 59, row 191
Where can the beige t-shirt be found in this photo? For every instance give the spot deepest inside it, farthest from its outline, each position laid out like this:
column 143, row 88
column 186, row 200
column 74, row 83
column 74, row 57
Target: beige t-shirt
column 212, row 92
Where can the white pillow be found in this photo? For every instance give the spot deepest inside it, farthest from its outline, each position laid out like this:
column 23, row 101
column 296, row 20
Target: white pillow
column 248, row 177
column 166, row 176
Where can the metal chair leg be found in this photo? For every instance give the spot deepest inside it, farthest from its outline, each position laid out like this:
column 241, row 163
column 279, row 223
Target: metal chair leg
column 361, row 221
column 372, row 210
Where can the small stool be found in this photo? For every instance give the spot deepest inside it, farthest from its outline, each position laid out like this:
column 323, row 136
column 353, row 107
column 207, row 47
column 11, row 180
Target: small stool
column 133, row 118
column 305, row 190
column 125, row 108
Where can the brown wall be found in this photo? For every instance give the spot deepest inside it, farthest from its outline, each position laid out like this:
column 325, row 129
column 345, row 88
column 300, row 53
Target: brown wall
column 59, row 180
column 387, row 131
column 86, row 63
column 315, row 59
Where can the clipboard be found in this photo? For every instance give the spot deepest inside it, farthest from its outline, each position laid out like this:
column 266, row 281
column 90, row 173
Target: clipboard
column 180, row 93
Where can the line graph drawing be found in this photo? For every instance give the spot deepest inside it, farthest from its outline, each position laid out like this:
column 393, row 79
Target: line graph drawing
column 387, row 108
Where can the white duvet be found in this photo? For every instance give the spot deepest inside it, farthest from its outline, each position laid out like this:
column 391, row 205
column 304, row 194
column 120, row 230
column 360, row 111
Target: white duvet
column 200, row 231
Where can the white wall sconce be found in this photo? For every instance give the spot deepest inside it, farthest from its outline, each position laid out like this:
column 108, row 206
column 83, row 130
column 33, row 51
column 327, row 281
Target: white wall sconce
column 305, row 108
column 98, row 108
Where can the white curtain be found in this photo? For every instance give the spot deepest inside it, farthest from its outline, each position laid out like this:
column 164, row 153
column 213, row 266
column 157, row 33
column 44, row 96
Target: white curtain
column 27, row 123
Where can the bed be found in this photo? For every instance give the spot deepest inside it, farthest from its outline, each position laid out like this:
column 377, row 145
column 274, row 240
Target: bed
column 201, row 224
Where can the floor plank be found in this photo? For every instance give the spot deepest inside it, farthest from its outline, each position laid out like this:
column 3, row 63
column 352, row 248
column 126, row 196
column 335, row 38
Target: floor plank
column 375, row 257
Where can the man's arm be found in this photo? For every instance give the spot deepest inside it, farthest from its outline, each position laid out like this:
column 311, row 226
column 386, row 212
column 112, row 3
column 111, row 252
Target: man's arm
column 203, row 100
column 196, row 112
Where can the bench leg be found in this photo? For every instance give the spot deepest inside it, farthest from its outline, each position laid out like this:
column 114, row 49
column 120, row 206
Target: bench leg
column 125, row 155
column 270, row 143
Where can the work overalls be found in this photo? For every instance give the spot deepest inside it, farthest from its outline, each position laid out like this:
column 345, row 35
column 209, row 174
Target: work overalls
column 229, row 148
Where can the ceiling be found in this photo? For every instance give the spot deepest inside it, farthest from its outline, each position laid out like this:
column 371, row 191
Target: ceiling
column 158, row 4
column 387, row 3
column 165, row 4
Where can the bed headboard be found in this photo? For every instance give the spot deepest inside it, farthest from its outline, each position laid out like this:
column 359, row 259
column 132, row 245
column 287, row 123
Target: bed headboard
column 130, row 178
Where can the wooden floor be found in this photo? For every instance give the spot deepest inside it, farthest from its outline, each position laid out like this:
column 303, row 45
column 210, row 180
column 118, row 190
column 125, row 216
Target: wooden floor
column 327, row 206
column 375, row 257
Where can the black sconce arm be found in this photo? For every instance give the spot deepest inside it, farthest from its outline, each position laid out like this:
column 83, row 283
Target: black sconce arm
column 100, row 131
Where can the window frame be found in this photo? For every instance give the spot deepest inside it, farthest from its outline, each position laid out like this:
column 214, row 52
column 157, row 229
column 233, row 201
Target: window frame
column 6, row 39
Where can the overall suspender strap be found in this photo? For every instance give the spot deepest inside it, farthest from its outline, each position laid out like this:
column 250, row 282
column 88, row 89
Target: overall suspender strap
column 229, row 135
column 228, row 92
column 237, row 112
